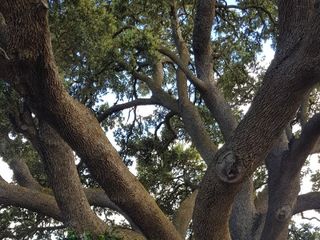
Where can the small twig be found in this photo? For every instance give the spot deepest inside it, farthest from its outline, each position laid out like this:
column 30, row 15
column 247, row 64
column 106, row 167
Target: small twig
column 243, row 8
column 311, row 218
column 4, row 54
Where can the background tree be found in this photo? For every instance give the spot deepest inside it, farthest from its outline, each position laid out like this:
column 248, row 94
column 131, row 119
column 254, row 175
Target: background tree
column 197, row 63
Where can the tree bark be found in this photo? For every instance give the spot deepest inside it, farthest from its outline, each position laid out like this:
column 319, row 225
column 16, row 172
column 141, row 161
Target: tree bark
column 243, row 213
column 183, row 215
column 33, row 73
column 46, row 204
column 42, row 203
column 62, row 174
column 63, row 177
column 284, row 185
column 23, row 176
column 290, row 76
column 307, row 201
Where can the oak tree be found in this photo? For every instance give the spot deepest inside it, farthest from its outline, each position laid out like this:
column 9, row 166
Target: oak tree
column 70, row 71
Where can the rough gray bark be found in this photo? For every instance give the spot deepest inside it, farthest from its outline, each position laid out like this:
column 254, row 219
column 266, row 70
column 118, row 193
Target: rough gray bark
column 284, row 184
column 33, row 200
column 183, row 215
column 243, row 213
column 62, row 174
column 23, row 176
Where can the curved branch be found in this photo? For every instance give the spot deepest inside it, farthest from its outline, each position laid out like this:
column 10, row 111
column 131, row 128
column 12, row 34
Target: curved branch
column 196, row 81
column 308, row 201
column 190, row 115
column 31, row 199
column 310, row 219
column 23, row 176
column 161, row 97
column 96, row 197
column 119, row 107
column 43, row 203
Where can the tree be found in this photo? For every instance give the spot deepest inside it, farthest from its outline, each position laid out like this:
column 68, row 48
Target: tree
column 193, row 60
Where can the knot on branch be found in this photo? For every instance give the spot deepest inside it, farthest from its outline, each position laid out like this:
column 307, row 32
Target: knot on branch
column 228, row 168
column 283, row 213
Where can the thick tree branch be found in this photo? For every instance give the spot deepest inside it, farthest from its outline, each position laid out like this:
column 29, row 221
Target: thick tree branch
column 300, row 74
column 158, row 74
column 96, row 197
column 184, row 55
column 202, row 50
column 302, row 114
column 284, row 178
column 183, row 214
column 23, row 176
column 308, row 201
column 43, row 203
column 12, row 195
column 58, row 159
column 261, row 201
column 188, row 112
column 294, row 22
column 203, row 22
column 303, row 146
column 220, row 110
column 280, row 196
column 243, row 212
